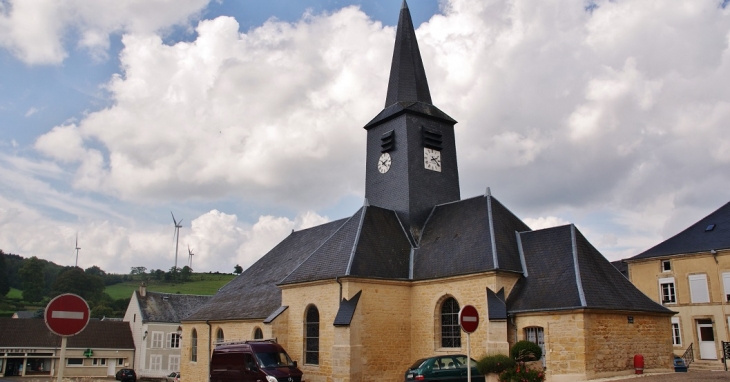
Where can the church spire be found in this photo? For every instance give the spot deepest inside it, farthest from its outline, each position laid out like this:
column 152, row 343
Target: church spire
column 407, row 76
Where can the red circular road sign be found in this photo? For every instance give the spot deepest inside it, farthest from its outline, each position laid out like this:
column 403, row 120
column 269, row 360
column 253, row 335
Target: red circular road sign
column 67, row 315
column 469, row 318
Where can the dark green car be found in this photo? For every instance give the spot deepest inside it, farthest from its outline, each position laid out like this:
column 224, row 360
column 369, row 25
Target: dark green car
column 451, row 368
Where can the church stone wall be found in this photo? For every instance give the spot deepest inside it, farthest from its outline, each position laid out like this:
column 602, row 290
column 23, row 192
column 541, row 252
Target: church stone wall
column 612, row 343
column 380, row 331
column 195, row 371
column 426, row 300
column 579, row 345
column 324, row 295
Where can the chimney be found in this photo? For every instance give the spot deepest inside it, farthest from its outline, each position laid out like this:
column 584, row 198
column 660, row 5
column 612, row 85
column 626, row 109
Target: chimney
column 143, row 289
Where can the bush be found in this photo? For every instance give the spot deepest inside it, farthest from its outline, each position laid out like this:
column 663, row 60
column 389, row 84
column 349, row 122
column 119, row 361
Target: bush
column 495, row 363
column 526, row 351
column 521, row 374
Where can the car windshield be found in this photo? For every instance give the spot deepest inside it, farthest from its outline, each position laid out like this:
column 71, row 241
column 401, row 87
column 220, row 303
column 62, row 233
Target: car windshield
column 274, row 359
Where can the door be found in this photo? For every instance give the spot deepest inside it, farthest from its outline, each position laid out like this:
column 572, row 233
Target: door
column 706, row 339
column 111, row 366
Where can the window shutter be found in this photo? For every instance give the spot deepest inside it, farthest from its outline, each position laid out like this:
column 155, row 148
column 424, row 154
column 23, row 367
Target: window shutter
column 698, row 289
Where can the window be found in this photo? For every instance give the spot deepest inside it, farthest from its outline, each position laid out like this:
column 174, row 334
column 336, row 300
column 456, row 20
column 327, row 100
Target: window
column 536, row 335
column 450, row 330
column 174, row 363
column 258, row 334
column 156, row 339
column 311, row 336
column 74, row 361
column 219, row 335
column 98, row 361
column 666, row 291
column 156, row 362
column 173, row 340
column 726, row 285
column 120, row 361
column 194, row 346
column 698, row 289
column 676, row 334
column 666, row 266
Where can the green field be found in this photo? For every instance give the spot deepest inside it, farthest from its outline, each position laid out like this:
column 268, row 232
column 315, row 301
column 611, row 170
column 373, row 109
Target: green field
column 15, row 293
column 200, row 284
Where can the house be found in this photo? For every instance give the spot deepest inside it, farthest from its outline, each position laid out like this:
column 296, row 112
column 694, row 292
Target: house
column 154, row 319
column 28, row 348
column 689, row 273
column 361, row 298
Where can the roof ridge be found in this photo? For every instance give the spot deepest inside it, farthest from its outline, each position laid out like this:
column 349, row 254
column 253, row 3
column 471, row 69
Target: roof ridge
column 357, row 239
column 321, row 244
column 578, row 281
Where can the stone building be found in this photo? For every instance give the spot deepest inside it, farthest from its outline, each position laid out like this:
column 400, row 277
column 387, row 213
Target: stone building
column 689, row 273
column 154, row 319
column 361, row 298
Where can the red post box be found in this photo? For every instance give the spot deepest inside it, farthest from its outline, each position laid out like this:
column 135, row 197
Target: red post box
column 639, row 364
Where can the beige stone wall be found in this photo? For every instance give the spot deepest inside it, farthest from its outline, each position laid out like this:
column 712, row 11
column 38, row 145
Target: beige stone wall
column 612, row 342
column 426, row 299
column 324, row 295
column 581, row 346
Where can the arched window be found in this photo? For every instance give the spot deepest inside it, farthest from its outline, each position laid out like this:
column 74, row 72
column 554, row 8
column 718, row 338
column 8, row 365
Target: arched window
column 311, row 336
column 450, row 331
column 258, row 334
column 194, row 346
column 219, row 335
column 536, row 334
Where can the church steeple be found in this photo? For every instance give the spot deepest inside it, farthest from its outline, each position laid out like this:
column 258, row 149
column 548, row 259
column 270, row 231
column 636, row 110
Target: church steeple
column 407, row 76
column 411, row 150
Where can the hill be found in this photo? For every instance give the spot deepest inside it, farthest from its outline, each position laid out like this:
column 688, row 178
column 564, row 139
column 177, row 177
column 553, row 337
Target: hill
column 199, row 283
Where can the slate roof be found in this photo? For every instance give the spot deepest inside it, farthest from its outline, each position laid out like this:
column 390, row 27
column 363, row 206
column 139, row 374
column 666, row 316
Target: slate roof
column 457, row 239
column 564, row 271
column 169, row 307
column 32, row 333
column 696, row 238
column 347, row 310
column 254, row 294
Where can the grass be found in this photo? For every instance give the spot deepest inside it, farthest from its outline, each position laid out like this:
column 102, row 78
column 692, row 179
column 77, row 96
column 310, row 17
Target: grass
column 200, row 284
column 15, row 293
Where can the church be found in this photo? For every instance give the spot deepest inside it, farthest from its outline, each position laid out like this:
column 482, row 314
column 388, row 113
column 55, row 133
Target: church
column 362, row 298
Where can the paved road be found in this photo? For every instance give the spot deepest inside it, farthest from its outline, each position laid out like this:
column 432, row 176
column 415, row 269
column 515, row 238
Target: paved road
column 691, row 376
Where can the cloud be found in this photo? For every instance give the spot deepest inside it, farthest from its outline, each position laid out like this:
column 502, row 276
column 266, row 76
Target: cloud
column 613, row 119
column 34, row 31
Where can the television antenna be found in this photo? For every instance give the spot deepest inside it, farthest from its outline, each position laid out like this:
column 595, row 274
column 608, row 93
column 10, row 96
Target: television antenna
column 176, row 234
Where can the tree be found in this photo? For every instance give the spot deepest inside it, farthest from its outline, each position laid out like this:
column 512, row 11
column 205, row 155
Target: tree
column 74, row 280
column 238, row 269
column 138, row 270
column 173, row 274
column 31, row 275
column 185, row 273
column 95, row 271
column 4, row 280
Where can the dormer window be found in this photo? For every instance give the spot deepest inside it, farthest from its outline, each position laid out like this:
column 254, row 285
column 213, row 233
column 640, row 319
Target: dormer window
column 666, row 266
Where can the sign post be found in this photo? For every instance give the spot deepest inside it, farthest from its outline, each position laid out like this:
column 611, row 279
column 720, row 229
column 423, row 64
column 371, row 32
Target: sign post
column 469, row 322
column 66, row 315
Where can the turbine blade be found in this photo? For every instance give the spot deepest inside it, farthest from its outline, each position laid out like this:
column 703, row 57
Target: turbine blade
column 173, row 218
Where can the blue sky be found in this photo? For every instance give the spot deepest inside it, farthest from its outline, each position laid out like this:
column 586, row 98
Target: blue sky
column 114, row 114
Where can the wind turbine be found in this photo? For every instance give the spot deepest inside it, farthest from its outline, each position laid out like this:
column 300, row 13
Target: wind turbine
column 77, row 249
column 176, row 235
column 190, row 255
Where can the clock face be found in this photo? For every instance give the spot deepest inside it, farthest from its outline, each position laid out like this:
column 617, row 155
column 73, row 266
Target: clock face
column 432, row 159
column 384, row 163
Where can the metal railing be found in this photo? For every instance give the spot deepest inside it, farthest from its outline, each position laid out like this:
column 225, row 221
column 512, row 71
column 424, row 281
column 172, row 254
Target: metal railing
column 689, row 355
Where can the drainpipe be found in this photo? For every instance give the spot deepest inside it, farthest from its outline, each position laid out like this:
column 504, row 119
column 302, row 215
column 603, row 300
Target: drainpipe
column 337, row 279
column 722, row 294
column 210, row 342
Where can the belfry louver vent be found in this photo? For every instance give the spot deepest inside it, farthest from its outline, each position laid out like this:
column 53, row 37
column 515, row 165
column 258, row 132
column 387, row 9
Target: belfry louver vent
column 387, row 142
column 432, row 139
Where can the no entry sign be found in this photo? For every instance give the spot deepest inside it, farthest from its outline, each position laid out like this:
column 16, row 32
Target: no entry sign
column 67, row 315
column 469, row 318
